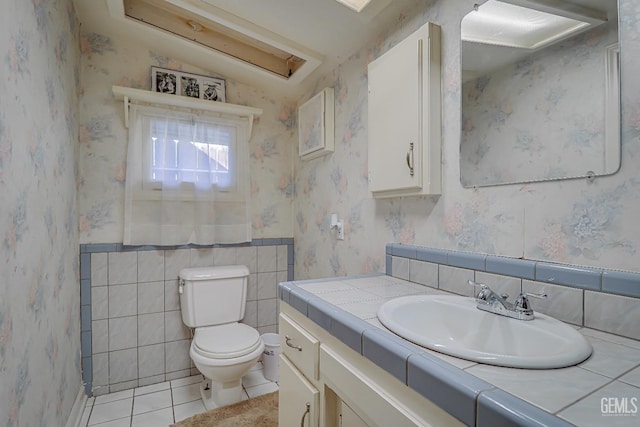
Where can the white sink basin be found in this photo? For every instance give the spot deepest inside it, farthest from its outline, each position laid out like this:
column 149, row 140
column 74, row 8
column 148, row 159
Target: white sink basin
column 454, row 326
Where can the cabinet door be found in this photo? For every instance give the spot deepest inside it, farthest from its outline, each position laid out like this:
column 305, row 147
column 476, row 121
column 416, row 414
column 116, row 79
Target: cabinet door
column 395, row 98
column 294, row 395
column 348, row 418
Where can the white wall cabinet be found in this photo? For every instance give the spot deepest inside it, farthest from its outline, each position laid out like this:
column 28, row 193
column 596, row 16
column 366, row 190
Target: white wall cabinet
column 404, row 117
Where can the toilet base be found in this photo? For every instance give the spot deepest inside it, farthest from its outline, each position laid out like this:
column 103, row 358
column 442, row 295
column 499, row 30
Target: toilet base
column 215, row 394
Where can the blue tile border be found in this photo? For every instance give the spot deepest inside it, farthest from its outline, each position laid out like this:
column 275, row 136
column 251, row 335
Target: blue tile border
column 466, row 260
column 452, row 389
column 86, row 249
column 511, row 267
column 578, row 277
column 620, row 282
column 591, row 278
column 497, row 408
column 388, row 352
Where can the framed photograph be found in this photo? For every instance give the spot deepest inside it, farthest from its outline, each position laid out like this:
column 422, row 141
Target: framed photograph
column 186, row 84
column 315, row 125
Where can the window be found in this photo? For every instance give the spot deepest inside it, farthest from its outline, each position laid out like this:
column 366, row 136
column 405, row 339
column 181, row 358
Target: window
column 187, row 178
column 183, row 151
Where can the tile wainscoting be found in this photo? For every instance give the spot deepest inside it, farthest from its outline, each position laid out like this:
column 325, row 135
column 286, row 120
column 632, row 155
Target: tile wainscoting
column 596, row 298
column 132, row 330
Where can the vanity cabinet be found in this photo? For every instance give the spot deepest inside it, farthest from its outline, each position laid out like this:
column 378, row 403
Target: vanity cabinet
column 404, row 141
column 343, row 388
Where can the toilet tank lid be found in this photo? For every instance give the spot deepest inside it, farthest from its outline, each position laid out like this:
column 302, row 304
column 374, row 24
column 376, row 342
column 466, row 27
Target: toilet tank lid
column 217, row 272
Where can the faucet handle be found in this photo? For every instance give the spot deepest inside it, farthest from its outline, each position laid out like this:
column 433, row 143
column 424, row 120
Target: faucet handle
column 474, row 283
column 485, row 291
column 522, row 301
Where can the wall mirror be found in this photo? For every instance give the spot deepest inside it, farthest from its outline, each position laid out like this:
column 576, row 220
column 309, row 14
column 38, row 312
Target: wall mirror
column 540, row 91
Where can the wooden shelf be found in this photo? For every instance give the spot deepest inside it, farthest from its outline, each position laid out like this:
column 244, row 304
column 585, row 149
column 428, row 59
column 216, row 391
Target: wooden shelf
column 129, row 94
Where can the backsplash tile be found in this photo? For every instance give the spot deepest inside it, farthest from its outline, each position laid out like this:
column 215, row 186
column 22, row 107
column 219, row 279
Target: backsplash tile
column 133, row 304
column 570, row 288
column 454, row 279
column 511, row 286
column 423, row 272
column 562, row 302
column 400, row 267
column 612, row 313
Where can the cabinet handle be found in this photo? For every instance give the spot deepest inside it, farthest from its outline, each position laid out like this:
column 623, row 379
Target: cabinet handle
column 305, row 414
column 410, row 158
column 287, row 340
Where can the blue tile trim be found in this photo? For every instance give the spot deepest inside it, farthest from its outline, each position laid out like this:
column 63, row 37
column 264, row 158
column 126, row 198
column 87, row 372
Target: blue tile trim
column 621, row 282
column 432, row 255
column 511, row 267
column 452, row 389
column 320, row 312
column 497, row 408
column 349, row 329
column 85, row 266
column 85, row 342
column 599, row 279
column 87, row 374
column 579, row 277
column 85, row 292
column 298, row 299
column 387, row 351
column 405, row 251
column 466, row 260
column 388, row 265
column 85, row 318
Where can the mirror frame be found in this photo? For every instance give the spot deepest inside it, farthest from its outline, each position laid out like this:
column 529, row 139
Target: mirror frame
column 612, row 119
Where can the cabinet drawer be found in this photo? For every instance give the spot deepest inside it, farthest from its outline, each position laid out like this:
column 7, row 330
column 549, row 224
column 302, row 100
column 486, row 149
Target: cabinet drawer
column 299, row 346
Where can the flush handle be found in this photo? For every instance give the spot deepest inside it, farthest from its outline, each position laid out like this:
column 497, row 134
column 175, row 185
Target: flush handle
column 287, row 340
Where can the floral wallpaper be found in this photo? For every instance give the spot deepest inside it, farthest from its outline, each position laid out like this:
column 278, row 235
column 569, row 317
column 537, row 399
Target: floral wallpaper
column 574, row 221
column 39, row 290
column 536, row 113
column 108, row 61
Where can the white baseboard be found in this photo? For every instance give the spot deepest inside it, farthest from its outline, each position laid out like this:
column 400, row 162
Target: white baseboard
column 78, row 408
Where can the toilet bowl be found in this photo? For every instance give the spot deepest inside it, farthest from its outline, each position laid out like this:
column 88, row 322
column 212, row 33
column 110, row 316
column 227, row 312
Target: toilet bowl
column 224, row 354
column 212, row 300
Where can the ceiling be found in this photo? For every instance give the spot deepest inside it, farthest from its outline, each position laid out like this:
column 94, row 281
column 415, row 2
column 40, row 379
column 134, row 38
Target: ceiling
column 324, row 32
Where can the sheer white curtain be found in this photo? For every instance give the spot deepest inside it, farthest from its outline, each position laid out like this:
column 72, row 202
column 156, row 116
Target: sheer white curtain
column 187, row 178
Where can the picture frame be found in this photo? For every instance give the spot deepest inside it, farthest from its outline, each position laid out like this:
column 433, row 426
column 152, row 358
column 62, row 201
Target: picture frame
column 316, row 125
column 187, row 84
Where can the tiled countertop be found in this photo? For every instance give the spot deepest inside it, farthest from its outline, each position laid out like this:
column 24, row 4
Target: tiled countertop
column 574, row 394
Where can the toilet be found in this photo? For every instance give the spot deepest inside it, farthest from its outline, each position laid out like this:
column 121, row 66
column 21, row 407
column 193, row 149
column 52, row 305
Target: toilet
column 213, row 301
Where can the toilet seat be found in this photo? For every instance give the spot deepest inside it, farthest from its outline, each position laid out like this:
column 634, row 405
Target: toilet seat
column 226, row 341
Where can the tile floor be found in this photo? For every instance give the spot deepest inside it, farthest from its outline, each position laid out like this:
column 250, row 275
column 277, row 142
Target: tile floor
column 161, row 404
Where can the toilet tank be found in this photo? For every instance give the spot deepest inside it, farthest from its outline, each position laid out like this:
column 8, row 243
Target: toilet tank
column 213, row 295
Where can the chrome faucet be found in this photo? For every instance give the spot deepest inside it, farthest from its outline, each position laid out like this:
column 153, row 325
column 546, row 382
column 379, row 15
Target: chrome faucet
column 520, row 309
